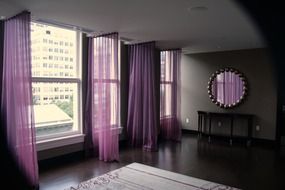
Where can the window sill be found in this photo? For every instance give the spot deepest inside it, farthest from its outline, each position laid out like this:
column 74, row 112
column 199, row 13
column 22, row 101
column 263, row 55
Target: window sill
column 62, row 141
column 58, row 142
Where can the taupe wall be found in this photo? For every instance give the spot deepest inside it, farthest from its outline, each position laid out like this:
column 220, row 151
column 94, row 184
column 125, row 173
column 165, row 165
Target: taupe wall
column 261, row 101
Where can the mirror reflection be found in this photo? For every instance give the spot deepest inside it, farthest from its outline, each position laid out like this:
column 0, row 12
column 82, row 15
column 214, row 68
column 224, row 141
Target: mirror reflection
column 227, row 87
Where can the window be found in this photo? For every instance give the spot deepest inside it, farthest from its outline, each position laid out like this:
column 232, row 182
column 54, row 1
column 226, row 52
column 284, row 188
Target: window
column 166, row 85
column 57, row 111
column 106, row 81
column 170, row 88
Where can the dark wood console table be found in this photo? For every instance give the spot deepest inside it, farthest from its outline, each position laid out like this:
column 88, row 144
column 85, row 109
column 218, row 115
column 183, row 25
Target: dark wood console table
column 203, row 115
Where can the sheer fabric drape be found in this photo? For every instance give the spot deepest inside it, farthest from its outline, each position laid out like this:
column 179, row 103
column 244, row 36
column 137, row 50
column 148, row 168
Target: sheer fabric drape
column 16, row 98
column 170, row 127
column 103, row 96
column 142, row 121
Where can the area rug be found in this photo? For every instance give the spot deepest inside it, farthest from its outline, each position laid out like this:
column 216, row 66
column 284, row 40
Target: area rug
column 137, row 176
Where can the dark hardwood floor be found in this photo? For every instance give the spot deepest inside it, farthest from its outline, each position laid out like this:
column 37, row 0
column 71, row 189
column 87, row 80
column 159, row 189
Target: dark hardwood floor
column 246, row 168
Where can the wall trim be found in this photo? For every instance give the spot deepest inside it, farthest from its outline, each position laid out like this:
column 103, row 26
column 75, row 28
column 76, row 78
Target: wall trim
column 69, row 157
column 64, row 141
column 265, row 142
column 59, row 142
column 45, row 164
column 255, row 141
column 189, row 131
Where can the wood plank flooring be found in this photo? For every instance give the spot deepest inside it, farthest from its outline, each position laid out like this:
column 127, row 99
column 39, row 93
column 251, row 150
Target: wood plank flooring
column 247, row 168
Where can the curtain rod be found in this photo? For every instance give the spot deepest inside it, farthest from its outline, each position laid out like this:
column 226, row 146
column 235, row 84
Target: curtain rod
column 141, row 43
column 67, row 26
column 88, row 32
column 94, row 35
column 20, row 13
column 174, row 49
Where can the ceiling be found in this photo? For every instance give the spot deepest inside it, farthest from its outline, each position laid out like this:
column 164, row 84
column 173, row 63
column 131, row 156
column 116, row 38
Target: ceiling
column 193, row 25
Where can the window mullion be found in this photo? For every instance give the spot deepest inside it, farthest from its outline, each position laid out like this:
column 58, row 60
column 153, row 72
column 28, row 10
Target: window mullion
column 60, row 80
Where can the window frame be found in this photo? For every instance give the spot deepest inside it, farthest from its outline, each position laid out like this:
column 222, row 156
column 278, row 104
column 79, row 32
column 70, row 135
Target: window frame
column 165, row 83
column 75, row 80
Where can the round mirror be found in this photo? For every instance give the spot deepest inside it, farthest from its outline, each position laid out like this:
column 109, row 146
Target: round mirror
column 227, row 87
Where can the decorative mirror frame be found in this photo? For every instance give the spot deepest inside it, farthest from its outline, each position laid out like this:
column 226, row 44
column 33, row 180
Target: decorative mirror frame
column 245, row 87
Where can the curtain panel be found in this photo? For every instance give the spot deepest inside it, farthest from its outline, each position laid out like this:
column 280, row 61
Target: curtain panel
column 16, row 98
column 102, row 104
column 142, row 121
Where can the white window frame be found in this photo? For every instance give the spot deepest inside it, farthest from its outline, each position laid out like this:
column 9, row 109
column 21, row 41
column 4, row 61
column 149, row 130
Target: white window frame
column 78, row 81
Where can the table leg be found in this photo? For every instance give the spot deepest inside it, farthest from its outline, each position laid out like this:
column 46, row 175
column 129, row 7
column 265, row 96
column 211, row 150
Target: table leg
column 210, row 123
column 232, row 126
column 202, row 123
column 199, row 125
column 249, row 133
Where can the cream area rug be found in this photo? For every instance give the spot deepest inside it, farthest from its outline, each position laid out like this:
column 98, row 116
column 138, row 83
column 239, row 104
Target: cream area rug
column 137, row 176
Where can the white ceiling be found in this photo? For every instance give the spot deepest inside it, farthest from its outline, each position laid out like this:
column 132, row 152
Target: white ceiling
column 172, row 23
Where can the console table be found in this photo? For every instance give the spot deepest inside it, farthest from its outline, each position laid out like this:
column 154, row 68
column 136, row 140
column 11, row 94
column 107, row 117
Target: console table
column 203, row 115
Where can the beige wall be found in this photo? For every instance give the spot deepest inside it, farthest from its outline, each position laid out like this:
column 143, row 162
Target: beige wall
column 261, row 101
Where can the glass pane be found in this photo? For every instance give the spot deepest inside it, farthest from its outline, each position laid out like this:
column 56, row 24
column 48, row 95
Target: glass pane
column 55, row 107
column 54, row 51
column 106, row 103
column 105, row 65
column 162, row 65
column 165, row 100
column 166, row 66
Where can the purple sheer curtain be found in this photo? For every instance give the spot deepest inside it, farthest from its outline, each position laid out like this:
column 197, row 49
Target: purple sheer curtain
column 170, row 127
column 16, row 102
column 228, row 87
column 104, row 96
column 142, row 121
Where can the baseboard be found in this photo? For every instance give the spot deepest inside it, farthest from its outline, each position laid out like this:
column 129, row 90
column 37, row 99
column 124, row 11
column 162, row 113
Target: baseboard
column 265, row 142
column 70, row 157
column 282, row 141
column 255, row 141
column 123, row 144
column 189, row 131
column 60, row 160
